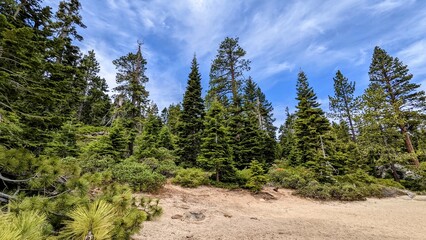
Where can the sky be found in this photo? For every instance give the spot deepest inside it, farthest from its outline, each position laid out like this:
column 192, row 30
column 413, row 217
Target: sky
column 281, row 37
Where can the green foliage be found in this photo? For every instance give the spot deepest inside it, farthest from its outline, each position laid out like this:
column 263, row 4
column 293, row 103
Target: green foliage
column 227, row 72
column 191, row 177
column 151, row 207
column 344, row 104
column 92, row 221
column 191, row 119
column 216, row 154
column 22, row 226
column 309, row 127
column 257, row 178
column 289, row 177
column 350, row 187
column 138, row 175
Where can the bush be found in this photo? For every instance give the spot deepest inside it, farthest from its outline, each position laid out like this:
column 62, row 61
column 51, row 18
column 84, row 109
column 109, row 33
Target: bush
column 290, row 177
column 191, row 177
column 316, row 190
column 257, row 179
column 139, row 176
column 243, row 176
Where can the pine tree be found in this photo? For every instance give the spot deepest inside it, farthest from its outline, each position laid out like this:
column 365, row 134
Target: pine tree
column 64, row 56
column 191, row 119
column 403, row 96
column 165, row 138
column 379, row 138
column 227, row 72
column 149, row 137
column 344, row 104
column 287, row 138
column 310, row 124
column 216, row 152
column 131, row 90
column 95, row 106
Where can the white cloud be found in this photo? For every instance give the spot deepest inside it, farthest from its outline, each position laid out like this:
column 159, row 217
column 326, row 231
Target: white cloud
column 277, row 35
column 389, row 5
column 414, row 56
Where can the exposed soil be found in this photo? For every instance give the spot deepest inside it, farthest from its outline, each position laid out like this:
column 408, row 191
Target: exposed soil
column 212, row 213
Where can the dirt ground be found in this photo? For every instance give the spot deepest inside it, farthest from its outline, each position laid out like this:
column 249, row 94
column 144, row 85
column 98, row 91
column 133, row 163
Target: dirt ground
column 212, row 213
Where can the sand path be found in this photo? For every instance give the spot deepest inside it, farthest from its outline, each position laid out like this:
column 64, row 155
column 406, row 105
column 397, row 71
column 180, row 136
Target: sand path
column 212, row 213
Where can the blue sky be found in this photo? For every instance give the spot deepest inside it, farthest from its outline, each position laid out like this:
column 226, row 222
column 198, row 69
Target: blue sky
column 280, row 37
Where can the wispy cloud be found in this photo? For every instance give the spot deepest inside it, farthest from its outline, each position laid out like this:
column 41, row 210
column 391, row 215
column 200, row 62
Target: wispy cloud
column 279, row 37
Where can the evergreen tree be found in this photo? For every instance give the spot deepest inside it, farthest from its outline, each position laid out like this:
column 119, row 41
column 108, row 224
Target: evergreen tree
column 344, row 104
column 310, row 125
column 165, row 138
column 149, row 138
column 94, row 108
column 287, row 138
column 174, row 112
column 191, row 119
column 131, row 90
column 216, row 152
column 403, row 96
column 227, row 72
column 379, row 138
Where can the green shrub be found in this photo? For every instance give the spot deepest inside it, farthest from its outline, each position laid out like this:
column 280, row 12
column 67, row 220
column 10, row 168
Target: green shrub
column 138, row 175
column 290, row 177
column 316, row 190
column 191, row 177
column 243, row 176
column 257, row 178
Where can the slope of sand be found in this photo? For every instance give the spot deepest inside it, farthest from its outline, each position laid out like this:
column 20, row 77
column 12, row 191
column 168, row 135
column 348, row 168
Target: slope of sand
column 212, row 213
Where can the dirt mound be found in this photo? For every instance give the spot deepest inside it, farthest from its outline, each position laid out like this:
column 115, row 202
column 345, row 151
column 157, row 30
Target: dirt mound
column 212, row 213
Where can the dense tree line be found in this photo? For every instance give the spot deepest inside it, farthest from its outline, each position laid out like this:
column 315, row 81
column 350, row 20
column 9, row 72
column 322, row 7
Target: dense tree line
column 70, row 155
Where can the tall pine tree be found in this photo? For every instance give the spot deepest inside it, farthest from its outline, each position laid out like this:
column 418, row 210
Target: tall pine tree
column 191, row 119
column 227, row 72
column 132, row 95
column 403, row 96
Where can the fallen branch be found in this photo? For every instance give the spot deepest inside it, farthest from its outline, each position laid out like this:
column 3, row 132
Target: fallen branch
column 13, row 180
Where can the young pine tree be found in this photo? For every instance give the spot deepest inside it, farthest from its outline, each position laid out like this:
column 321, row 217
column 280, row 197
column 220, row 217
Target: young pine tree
column 216, row 152
column 191, row 119
column 344, row 104
column 310, row 125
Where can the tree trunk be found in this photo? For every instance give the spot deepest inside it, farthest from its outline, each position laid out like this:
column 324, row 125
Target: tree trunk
column 394, row 173
column 409, row 145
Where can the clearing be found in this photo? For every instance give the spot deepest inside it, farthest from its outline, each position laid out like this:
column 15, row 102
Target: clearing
column 213, row 213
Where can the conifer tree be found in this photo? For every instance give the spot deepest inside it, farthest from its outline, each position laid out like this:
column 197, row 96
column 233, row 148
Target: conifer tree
column 287, row 138
column 227, row 72
column 216, row 152
column 405, row 99
column 191, row 119
column 95, row 107
column 165, row 138
column 310, row 124
column 131, row 90
column 344, row 104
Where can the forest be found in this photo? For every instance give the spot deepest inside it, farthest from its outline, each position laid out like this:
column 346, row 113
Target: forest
column 72, row 156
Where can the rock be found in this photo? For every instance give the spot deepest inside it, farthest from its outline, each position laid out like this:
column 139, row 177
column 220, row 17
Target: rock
column 254, row 218
column 177, row 216
column 195, row 216
column 227, row 215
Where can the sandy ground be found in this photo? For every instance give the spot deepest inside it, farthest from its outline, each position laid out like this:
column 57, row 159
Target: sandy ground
column 212, row 213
